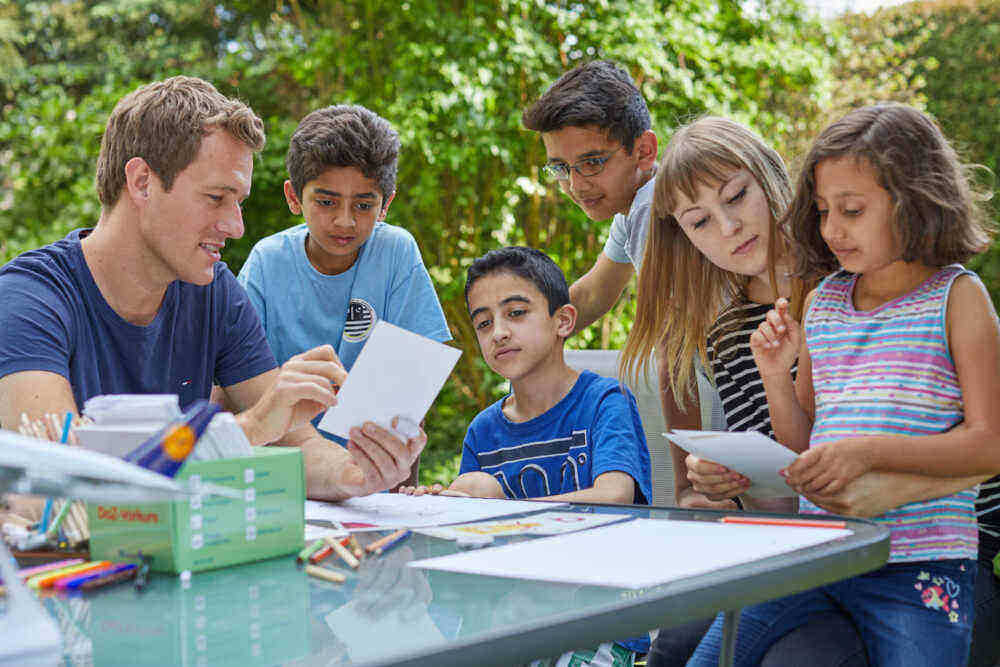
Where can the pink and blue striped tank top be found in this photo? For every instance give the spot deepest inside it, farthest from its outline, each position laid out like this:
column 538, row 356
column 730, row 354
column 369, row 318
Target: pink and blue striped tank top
column 888, row 371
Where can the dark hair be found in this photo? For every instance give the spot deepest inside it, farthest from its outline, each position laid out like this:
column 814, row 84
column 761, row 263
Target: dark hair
column 344, row 136
column 532, row 265
column 164, row 123
column 597, row 93
column 936, row 212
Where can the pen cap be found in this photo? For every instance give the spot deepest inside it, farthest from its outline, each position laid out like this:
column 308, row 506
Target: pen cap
column 167, row 449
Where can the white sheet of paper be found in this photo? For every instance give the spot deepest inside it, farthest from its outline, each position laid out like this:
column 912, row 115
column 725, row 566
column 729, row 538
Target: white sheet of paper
column 749, row 453
column 543, row 523
column 634, row 554
column 397, row 373
column 381, row 511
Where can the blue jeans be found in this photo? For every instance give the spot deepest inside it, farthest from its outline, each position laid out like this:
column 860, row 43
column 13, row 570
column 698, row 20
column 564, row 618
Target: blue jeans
column 986, row 630
column 828, row 639
column 909, row 614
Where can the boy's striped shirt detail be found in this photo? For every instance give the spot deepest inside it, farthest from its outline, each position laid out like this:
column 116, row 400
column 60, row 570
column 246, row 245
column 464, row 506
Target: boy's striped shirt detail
column 888, row 371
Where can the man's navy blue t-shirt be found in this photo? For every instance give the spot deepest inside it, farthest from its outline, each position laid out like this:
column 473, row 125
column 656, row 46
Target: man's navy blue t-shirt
column 54, row 318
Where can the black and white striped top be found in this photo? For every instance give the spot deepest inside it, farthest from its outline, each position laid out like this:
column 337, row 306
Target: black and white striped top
column 736, row 378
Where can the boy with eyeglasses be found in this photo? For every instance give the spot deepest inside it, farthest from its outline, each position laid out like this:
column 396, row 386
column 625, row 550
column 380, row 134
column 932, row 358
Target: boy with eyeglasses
column 602, row 151
column 331, row 278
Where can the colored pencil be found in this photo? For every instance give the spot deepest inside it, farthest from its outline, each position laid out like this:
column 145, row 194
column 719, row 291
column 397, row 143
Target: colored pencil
column 776, row 521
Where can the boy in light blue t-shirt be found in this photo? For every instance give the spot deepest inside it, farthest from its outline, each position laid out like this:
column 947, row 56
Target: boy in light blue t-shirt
column 331, row 279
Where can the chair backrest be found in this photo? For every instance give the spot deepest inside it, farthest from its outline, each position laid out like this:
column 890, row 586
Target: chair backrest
column 605, row 362
column 712, row 417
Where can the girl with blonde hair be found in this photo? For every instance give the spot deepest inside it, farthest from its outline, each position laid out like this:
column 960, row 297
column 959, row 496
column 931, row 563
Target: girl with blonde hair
column 717, row 261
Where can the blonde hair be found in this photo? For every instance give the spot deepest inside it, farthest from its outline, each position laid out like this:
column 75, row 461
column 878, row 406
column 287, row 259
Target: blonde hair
column 680, row 292
column 164, row 123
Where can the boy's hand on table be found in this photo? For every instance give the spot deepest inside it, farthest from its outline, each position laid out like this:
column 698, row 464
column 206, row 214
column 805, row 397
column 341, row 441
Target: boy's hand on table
column 477, row 485
column 713, row 480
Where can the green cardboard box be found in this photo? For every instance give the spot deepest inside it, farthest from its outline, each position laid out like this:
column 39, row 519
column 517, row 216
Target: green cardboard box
column 207, row 532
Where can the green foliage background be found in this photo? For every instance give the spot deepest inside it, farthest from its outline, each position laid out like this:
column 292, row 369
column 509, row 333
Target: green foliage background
column 453, row 77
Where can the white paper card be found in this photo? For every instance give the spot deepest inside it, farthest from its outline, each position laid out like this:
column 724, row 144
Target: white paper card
column 634, row 554
column 381, row 511
column 749, row 453
column 397, row 373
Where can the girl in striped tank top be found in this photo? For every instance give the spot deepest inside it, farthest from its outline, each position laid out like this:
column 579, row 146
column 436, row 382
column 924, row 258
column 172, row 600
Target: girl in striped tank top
column 898, row 371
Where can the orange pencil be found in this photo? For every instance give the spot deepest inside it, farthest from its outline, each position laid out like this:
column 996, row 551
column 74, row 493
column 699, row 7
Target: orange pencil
column 379, row 543
column 776, row 521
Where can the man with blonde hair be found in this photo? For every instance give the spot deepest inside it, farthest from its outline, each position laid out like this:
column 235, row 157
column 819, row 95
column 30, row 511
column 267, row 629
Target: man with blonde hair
column 141, row 303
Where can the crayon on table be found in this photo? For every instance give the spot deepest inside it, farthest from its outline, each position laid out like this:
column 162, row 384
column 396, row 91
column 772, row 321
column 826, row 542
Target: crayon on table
column 325, row 573
column 60, row 583
column 309, row 551
column 355, row 547
column 392, row 543
column 777, row 521
column 74, row 582
column 48, row 567
column 46, row 579
column 342, row 551
column 384, row 540
column 106, row 579
column 321, row 555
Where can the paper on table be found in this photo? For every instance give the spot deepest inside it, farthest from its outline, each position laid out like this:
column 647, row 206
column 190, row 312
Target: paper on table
column 596, row 557
column 396, row 510
column 397, row 373
column 749, row 453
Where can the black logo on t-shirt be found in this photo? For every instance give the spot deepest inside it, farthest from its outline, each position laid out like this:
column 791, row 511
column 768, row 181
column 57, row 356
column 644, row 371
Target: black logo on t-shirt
column 361, row 318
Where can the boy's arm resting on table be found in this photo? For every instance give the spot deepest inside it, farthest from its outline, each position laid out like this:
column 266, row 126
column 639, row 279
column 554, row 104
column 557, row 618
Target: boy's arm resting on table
column 969, row 449
column 276, row 407
column 34, row 393
column 596, row 291
column 613, row 486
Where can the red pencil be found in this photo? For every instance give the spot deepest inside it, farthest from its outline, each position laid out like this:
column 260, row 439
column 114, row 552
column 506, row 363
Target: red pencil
column 777, row 521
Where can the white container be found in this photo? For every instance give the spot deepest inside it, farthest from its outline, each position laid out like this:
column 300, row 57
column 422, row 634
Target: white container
column 116, row 439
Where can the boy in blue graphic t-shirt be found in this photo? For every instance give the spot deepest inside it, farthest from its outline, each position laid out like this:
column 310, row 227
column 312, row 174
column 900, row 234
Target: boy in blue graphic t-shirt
column 560, row 434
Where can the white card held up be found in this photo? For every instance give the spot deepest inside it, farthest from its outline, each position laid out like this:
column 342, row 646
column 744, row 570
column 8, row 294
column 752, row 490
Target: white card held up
column 397, row 373
column 749, row 453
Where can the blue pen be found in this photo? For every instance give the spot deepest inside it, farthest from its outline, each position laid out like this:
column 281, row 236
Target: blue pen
column 393, row 542
column 44, row 525
column 65, row 429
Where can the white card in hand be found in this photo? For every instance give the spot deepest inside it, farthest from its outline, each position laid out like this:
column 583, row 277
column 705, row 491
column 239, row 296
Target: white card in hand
column 749, row 453
column 397, row 373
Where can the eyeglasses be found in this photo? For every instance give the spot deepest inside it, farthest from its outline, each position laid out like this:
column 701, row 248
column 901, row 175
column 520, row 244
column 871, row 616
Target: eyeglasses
column 588, row 166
